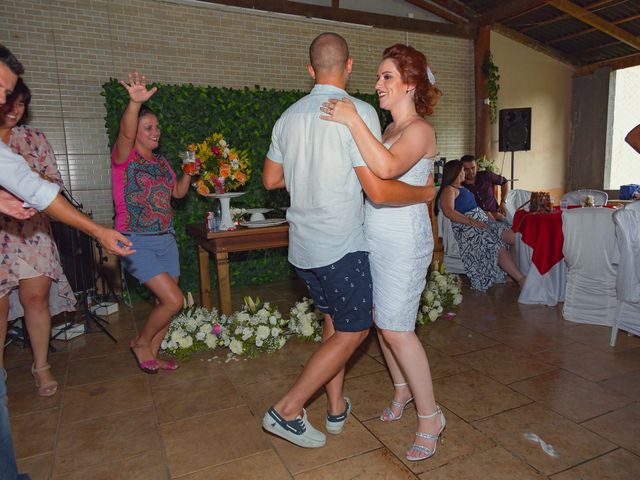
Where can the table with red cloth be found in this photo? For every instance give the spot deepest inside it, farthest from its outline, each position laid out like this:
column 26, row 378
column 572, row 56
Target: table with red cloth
column 543, row 233
column 539, row 242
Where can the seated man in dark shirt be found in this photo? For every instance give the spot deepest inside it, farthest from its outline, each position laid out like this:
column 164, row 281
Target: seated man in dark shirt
column 481, row 184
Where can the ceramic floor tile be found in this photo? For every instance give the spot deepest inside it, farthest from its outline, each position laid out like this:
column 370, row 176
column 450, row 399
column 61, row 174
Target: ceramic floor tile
column 94, row 442
column 618, row 465
column 266, row 367
column 571, row 396
column 38, row 467
column 362, row 364
column 19, row 371
column 622, row 427
column 458, row 439
column 598, row 336
column 24, row 398
column 194, row 397
column 444, row 365
column 472, row 395
column 261, row 466
column 261, row 396
column 93, row 400
column 593, row 364
column 100, row 369
column 25, row 443
column 496, row 463
column 486, row 320
column 370, row 394
column 627, row 384
column 505, row 364
column 530, row 339
column 150, row 465
column 98, row 344
column 198, row 442
column 454, row 339
column 574, row 443
column 206, row 364
column 354, row 440
column 379, row 464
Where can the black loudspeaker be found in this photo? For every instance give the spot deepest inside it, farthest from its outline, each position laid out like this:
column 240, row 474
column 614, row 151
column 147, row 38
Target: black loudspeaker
column 514, row 129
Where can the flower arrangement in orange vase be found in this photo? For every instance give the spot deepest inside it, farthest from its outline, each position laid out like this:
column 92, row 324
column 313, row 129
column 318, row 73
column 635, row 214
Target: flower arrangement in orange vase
column 222, row 169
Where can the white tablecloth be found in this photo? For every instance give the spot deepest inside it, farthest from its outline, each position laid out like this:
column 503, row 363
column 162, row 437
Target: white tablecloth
column 547, row 289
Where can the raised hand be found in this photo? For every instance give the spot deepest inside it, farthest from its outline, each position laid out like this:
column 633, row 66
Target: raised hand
column 137, row 88
column 340, row 111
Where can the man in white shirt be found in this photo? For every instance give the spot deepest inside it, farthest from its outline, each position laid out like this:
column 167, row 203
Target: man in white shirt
column 321, row 167
column 18, row 179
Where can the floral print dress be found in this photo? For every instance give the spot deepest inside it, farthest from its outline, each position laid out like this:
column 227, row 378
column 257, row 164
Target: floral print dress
column 31, row 241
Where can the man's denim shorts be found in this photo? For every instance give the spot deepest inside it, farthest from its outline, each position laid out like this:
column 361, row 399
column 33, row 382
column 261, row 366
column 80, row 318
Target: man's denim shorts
column 155, row 254
column 343, row 290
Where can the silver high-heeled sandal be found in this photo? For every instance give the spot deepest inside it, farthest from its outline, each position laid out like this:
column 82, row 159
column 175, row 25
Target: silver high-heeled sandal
column 387, row 414
column 426, row 452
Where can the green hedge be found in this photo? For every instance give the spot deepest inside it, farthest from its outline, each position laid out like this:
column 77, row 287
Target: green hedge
column 187, row 114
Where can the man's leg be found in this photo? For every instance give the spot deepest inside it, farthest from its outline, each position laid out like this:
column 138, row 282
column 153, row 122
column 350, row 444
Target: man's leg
column 324, row 365
column 335, row 386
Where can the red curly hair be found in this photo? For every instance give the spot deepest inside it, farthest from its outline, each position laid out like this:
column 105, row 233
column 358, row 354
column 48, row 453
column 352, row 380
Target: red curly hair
column 412, row 66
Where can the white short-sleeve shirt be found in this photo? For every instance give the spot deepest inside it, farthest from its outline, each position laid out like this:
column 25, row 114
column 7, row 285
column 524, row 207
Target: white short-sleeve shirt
column 326, row 213
column 18, row 178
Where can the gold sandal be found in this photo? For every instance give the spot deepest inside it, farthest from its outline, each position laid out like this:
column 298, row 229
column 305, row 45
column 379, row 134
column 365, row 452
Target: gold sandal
column 46, row 389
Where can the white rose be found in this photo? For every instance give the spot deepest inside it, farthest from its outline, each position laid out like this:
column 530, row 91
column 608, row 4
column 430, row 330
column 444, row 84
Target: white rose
column 275, row 331
column 236, row 347
column 429, row 296
column 258, row 342
column 200, row 336
column 211, row 341
column 433, row 315
column 273, row 320
column 307, row 329
column 164, row 345
column 263, row 332
column 457, row 299
column 247, row 333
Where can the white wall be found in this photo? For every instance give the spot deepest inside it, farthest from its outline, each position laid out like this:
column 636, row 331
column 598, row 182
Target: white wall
column 529, row 78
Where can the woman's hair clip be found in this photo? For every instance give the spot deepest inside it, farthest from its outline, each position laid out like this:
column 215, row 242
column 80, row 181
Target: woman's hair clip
column 431, row 76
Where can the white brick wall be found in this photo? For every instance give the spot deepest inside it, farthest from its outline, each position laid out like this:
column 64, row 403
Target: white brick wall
column 71, row 47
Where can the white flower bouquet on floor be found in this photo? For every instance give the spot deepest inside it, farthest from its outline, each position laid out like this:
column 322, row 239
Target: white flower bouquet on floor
column 255, row 329
column 194, row 329
column 442, row 292
column 305, row 321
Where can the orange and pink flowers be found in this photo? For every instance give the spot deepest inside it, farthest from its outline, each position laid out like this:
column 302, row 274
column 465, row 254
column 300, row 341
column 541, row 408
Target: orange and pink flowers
column 222, row 169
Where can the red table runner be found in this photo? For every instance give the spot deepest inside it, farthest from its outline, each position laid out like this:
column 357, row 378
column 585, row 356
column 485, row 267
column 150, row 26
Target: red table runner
column 543, row 233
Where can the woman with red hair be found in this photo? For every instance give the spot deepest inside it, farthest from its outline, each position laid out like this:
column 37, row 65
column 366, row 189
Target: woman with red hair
column 400, row 238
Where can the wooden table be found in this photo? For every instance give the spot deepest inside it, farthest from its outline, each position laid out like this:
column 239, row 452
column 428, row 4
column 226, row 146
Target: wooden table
column 220, row 244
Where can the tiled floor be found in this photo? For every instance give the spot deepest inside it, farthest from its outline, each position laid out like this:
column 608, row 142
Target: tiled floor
column 500, row 369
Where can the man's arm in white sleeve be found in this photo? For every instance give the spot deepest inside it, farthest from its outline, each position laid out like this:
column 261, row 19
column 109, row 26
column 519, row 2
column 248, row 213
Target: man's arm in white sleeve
column 23, row 182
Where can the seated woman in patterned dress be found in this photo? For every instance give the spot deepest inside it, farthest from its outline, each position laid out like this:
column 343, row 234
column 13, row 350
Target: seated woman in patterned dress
column 143, row 185
column 32, row 283
column 483, row 243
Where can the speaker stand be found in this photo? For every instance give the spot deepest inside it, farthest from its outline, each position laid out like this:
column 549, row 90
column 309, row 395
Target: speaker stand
column 513, row 163
column 92, row 320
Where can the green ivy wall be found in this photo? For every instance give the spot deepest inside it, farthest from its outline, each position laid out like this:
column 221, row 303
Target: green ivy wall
column 187, row 114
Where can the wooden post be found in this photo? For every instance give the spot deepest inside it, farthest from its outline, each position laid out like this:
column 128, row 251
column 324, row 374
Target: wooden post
column 483, row 124
column 205, row 280
column 224, row 282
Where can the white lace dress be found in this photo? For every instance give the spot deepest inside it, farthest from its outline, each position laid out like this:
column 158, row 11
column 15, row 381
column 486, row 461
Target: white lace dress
column 401, row 245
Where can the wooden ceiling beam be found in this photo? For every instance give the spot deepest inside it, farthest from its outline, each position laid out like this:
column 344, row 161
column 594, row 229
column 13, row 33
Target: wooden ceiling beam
column 439, row 11
column 564, row 16
column 352, row 16
column 457, row 7
column 615, row 63
column 599, row 23
column 531, row 43
column 511, row 9
column 590, row 30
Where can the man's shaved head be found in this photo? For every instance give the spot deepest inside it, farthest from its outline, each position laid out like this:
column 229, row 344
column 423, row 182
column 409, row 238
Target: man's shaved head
column 328, row 51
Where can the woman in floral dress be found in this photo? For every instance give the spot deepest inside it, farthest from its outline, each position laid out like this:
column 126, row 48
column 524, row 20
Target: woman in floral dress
column 32, row 283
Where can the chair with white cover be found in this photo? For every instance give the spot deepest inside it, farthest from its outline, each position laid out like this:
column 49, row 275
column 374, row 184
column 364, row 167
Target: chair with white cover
column 627, row 225
column 577, row 197
column 635, row 205
column 452, row 260
column 591, row 254
column 515, row 199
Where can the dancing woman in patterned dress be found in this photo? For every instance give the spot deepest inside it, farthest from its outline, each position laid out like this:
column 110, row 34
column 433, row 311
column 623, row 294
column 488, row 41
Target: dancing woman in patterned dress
column 32, row 283
column 143, row 184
